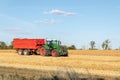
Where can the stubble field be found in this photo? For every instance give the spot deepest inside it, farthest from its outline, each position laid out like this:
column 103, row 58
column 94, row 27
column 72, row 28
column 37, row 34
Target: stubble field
column 93, row 62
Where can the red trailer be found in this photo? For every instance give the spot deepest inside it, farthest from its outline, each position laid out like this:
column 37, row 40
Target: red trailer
column 26, row 46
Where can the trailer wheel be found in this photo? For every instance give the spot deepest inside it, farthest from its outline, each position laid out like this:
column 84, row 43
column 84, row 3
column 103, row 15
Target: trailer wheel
column 26, row 52
column 55, row 53
column 20, row 52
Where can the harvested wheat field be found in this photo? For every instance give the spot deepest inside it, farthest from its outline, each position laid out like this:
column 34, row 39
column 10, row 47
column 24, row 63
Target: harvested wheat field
column 93, row 62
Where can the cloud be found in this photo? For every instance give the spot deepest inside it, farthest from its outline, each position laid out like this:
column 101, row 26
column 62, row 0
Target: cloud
column 7, row 21
column 10, row 29
column 46, row 22
column 23, row 32
column 60, row 12
column 15, row 30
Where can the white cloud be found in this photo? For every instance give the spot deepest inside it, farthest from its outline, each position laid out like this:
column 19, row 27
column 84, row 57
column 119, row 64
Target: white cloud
column 15, row 30
column 10, row 29
column 19, row 26
column 60, row 12
column 46, row 21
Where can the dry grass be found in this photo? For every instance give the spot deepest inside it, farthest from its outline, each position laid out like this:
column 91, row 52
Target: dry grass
column 96, row 52
column 97, row 62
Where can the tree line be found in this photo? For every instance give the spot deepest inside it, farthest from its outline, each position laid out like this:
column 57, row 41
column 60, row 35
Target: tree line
column 3, row 45
column 105, row 46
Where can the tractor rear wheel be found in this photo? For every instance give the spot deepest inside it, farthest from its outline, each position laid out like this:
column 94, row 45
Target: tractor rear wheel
column 55, row 53
column 43, row 51
column 65, row 51
column 26, row 52
column 20, row 52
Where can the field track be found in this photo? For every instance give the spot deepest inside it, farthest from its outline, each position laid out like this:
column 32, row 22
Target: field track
column 95, row 62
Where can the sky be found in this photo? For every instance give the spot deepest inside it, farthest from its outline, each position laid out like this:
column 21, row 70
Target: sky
column 72, row 21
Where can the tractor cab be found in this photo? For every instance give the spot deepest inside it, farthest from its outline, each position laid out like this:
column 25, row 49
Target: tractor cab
column 54, row 44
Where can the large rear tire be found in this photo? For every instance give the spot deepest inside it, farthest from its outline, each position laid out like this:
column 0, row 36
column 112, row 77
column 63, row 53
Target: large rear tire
column 65, row 51
column 55, row 53
column 20, row 52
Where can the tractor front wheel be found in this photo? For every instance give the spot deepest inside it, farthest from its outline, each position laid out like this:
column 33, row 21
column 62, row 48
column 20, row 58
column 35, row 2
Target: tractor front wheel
column 43, row 51
column 55, row 53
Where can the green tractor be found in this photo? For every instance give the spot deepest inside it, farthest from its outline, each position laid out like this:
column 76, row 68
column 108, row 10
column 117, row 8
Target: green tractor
column 53, row 48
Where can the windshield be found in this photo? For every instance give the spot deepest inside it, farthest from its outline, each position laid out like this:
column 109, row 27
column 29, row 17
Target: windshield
column 51, row 42
column 54, row 42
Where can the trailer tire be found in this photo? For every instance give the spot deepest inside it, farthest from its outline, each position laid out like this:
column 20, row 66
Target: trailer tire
column 55, row 53
column 26, row 52
column 20, row 52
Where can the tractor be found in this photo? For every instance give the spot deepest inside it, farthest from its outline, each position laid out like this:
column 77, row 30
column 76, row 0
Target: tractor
column 53, row 48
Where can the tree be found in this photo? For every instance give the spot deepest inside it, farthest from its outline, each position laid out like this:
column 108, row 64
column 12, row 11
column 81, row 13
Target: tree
column 92, row 44
column 105, row 44
column 0, row 45
column 65, row 46
column 3, row 45
column 72, row 47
